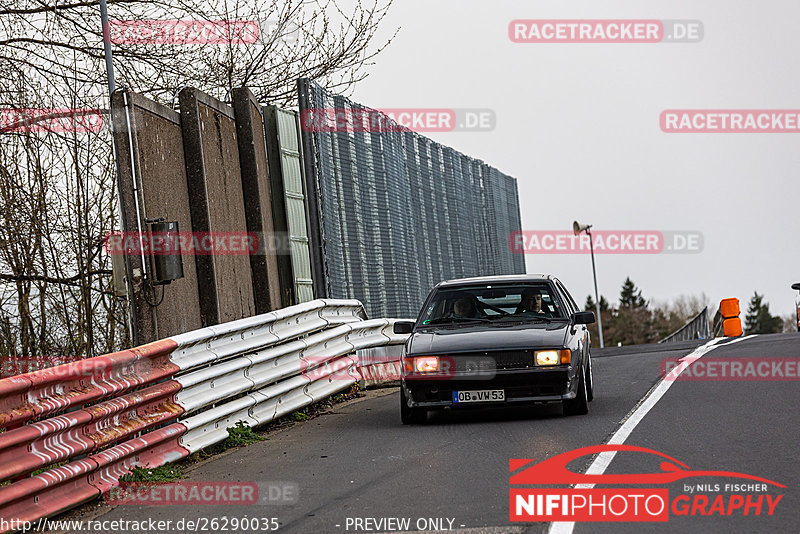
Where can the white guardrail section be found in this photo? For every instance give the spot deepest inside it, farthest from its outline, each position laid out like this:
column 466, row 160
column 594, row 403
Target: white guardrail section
column 261, row 369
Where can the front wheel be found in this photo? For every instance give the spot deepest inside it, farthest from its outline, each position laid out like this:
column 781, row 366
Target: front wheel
column 410, row 416
column 580, row 404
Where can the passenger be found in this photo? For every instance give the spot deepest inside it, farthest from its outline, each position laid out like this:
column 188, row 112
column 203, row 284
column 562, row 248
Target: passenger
column 531, row 302
column 465, row 308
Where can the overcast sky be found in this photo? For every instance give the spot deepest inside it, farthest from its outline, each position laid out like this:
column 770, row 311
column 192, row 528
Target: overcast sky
column 578, row 126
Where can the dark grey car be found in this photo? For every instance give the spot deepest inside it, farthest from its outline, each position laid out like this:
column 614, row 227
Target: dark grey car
column 496, row 341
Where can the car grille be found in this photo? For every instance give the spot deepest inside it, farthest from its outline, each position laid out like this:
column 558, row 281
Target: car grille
column 494, row 360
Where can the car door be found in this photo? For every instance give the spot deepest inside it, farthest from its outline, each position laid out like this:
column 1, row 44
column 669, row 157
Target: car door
column 581, row 336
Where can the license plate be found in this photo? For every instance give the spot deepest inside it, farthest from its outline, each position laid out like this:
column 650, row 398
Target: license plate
column 481, row 395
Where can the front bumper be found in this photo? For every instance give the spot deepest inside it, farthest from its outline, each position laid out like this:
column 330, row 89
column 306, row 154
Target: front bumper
column 520, row 386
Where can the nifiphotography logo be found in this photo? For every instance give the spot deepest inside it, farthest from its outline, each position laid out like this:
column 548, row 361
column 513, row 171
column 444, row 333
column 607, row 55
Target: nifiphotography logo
column 746, row 497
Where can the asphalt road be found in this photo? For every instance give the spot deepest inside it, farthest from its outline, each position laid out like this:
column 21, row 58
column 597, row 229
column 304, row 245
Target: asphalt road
column 751, row 427
column 358, row 461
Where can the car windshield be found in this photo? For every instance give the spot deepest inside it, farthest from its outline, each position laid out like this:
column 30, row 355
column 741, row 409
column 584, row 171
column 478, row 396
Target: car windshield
column 493, row 303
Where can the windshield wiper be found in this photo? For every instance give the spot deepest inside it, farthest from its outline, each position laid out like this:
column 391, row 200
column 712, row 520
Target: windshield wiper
column 524, row 320
column 445, row 320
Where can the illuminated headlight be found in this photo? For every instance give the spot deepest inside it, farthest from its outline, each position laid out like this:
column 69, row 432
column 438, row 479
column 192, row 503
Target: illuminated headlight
column 552, row 357
column 426, row 364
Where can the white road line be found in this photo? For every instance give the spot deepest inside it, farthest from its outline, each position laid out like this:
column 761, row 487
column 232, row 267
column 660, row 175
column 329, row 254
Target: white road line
column 603, row 460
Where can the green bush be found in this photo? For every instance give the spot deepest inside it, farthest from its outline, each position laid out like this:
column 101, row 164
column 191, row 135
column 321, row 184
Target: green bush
column 241, row 435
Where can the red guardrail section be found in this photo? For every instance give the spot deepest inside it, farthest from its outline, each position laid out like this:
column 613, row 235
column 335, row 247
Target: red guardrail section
column 153, row 449
column 40, row 444
column 85, row 428
column 49, row 493
column 62, row 488
column 57, row 388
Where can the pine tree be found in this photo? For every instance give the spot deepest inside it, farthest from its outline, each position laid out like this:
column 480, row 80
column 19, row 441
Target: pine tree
column 758, row 319
column 630, row 296
column 632, row 322
column 589, row 306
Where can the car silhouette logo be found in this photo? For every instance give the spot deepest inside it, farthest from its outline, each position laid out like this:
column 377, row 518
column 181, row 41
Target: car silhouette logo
column 554, row 470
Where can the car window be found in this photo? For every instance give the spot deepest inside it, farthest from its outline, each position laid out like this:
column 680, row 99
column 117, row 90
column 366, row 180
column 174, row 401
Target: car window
column 493, row 302
column 567, row 297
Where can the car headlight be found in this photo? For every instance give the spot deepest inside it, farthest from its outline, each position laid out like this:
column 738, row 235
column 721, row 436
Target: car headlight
column 426, row 364
column 421, row 364
column 553, row 357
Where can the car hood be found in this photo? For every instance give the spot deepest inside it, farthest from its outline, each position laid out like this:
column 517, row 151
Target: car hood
column 485, row 338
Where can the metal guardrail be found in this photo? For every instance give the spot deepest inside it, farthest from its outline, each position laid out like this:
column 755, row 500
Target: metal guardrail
column 696, row 328
column 177, row 396
column 379, row 365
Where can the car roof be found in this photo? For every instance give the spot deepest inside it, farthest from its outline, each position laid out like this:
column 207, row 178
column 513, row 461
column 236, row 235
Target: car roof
column 497, row 279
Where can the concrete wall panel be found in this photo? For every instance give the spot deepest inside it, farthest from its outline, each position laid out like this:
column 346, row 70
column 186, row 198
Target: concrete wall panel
column 215, row 187
column 258, row 200
column 148, row 138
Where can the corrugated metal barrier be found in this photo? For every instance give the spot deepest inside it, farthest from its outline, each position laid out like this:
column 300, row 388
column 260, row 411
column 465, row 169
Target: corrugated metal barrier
column 93, row 420
column 394, row 213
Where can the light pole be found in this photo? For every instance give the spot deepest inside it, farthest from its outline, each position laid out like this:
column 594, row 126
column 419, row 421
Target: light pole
column 112, row 86
column 107, row 47
column 578, row 228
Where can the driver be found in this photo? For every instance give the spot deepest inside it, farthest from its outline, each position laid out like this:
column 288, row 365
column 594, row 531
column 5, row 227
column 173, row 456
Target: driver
column 531, row 302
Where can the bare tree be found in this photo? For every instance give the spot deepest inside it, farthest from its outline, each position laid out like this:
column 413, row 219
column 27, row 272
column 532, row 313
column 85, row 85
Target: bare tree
column 56, row 203
column 57, row 192
column 297, row 38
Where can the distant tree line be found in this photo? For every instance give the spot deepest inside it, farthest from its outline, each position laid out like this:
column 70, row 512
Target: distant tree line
column 635, row 320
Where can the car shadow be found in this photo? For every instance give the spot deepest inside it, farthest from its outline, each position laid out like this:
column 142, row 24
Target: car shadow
column 495, row 414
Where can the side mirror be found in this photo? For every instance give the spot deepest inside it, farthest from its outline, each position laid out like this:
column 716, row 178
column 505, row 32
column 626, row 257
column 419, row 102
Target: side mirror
column 584, row 317
column 403, row 327
column 796, row 286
